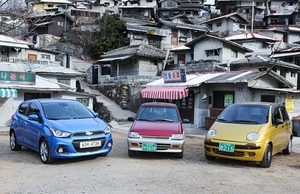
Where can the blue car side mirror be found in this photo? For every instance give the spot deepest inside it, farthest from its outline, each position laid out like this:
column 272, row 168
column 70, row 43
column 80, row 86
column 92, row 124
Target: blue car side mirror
column 33, row 117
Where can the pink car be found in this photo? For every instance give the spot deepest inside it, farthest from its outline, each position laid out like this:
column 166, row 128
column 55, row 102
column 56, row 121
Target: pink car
column 157, row 127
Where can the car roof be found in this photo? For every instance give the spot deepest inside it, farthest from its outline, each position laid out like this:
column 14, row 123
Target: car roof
column 46, row 100
column 257, row 103
column 158, row 104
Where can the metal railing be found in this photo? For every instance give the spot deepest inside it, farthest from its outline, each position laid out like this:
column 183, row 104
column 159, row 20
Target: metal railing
column 28, row 61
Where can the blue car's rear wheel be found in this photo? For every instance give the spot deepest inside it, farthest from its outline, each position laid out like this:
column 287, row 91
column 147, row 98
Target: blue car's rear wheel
column 13, row 141
column 45, row 154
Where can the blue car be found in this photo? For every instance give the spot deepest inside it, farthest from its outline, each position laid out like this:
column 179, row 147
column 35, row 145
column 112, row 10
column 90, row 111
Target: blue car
column 59, row 128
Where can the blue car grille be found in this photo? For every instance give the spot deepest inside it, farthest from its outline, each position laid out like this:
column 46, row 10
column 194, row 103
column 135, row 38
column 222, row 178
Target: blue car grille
column 87, row 133
column 76, row 145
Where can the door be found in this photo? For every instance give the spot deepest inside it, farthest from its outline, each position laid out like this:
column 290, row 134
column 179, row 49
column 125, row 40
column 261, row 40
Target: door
column 186, row 107
column 32, row 57
column 33, row 128
column 22, row 119
column 181, row 58
column 279, row 133
column 287, row 127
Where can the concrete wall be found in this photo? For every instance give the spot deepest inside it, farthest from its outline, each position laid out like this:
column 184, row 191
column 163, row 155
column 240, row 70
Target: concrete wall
column 293, row 37
column 147, row 67
column 258, row 48
column 24, row 55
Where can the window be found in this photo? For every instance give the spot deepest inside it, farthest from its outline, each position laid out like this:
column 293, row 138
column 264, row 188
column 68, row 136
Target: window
column 64, row 81
column 60, row 23
column 154, row 41
column 23, row 107
column 293, row 74
column 106, row 4
column 219, row 24
column 4, row 51
column 28, row 96
column 33, row 109
column 259, row 4
column 234, row 53
column 214, row 52
column 50, row 5
column 284, row 113
column 267, row 98
column 47, row 57
column 276, row 115
column 174, row 39
column 84, row 101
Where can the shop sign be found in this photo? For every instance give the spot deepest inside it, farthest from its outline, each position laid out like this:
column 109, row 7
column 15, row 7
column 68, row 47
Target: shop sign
column 174, row 76
column 10, row 77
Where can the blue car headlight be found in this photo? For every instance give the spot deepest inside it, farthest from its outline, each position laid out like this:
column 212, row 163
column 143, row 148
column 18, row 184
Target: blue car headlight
column 107, row 130
column 60, row 133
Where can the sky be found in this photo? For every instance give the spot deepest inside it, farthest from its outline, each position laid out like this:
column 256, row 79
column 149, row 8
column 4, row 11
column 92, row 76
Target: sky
column 210, row 2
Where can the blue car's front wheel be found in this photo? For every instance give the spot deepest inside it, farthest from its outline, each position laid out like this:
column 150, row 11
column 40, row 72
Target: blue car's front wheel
column 45, row 154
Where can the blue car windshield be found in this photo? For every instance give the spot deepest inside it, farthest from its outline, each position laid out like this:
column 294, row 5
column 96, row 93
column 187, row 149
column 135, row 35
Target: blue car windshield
column 66, row 110
column 250, row 114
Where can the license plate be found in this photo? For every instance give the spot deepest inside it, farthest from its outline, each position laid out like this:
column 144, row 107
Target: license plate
column 226, row 147
column 149, row 147
column 90, row 144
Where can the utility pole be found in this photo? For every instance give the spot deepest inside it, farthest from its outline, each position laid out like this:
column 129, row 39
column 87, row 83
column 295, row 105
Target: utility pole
column 252, row 20
column 65, row 25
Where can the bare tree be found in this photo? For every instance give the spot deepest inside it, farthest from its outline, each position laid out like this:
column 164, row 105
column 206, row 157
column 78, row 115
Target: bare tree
column 13, row 14
column 86, row 24
column 12, row 4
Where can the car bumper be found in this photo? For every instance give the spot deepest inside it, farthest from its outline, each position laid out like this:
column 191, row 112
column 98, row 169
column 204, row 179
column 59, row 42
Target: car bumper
column 241, row 151
column 162, row 145
column 70, row 147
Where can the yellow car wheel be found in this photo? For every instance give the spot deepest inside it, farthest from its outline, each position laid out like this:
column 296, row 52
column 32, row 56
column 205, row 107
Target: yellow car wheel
column 267, row 159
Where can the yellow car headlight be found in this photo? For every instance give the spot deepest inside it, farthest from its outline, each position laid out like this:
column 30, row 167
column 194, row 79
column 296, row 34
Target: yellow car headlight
column 252, row 136
column 211, row 133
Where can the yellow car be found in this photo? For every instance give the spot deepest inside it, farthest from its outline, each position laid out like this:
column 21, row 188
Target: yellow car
column 250, row 132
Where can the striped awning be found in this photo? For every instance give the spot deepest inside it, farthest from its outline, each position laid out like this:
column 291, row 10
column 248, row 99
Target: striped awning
column 165, row 92
column 8, row 93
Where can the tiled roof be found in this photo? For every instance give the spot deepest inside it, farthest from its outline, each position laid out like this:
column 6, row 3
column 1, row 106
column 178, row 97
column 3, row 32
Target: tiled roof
column 264, row 61
column 146, row 29
column 205, row 36
column 246, row 76
column 39, row 69
column 251, row 35
column 139, row 50
column 194, row 80
column 234, row 16
column 202, row 27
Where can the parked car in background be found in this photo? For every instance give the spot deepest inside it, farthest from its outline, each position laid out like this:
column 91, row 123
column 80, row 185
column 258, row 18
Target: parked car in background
column 157, row 127
column 250, row 132
column 59, row 128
